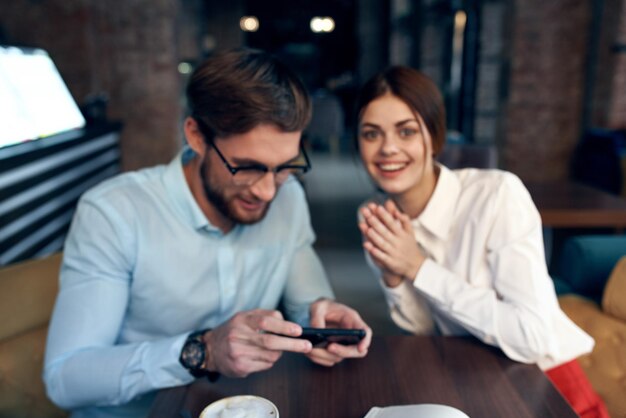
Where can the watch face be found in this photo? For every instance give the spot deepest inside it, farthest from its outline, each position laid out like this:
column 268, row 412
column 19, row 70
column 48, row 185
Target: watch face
column 192, row 356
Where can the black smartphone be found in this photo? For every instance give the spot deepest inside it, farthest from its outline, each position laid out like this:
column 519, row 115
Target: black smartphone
column 321, row 337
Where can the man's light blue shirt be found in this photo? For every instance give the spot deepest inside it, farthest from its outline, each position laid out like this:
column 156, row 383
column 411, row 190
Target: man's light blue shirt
column 143, row 267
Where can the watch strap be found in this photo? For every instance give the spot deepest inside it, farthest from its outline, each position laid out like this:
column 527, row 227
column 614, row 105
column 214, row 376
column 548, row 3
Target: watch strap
column 198, row 337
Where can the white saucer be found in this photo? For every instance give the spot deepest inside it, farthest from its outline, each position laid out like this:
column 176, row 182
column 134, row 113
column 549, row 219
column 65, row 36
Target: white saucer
column 426, row 410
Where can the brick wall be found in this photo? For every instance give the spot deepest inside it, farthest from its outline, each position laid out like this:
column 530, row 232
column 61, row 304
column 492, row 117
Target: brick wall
column 127, row 50
column 617, row 111
column 603, row 68
column 491, row 65
column 546, row 87
column 531, row 76
column 543, row 75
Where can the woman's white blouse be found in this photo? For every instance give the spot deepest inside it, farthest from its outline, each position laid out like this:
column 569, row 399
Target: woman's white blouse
column 485, row 272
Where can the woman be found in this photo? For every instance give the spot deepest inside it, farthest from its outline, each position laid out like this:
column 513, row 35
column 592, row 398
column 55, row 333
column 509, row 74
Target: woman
column 459, row 251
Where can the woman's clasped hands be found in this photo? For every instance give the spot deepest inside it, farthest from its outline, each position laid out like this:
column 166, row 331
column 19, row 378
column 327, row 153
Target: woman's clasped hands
column 388, row 238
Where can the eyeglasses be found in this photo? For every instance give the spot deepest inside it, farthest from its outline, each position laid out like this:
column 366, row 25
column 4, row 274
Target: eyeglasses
column 249, row 174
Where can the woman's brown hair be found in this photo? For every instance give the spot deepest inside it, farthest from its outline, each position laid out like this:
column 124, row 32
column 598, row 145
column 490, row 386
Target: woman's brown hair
column 417, row 91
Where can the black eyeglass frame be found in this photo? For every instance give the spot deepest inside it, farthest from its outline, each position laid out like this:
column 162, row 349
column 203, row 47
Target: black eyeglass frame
column 262, row 167
column 257, row 166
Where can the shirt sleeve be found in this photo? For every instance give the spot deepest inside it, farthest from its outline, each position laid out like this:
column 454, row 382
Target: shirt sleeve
column 514, row 313
column 307, row 280
column 84, row 363
column 408, row 308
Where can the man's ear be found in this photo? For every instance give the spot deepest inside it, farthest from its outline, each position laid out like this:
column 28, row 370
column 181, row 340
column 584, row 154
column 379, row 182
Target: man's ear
column 195, row 139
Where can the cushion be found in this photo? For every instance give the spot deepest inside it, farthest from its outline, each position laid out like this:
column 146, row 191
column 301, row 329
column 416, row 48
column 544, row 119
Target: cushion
column 27, row 294
column 22, row 392
column 606, row 364
column 562, row 287
column 614, row 299
column 586, row 262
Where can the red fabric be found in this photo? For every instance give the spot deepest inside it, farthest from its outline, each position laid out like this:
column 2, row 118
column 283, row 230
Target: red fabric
column 570, row 379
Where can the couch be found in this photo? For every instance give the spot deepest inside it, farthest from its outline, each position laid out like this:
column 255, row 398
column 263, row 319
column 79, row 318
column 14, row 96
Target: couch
column 591, row 283
column 27, row 294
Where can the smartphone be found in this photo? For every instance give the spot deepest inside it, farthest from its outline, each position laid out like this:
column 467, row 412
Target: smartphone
column 320, row 337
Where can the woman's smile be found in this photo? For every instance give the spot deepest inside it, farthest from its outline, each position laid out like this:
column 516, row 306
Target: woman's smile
column 391, row 169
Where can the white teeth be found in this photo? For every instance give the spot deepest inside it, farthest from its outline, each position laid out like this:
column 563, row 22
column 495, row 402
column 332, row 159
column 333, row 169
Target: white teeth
column 392, row 166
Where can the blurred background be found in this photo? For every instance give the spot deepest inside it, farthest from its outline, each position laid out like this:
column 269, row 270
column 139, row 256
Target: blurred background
column 531, row 78
column 534, row 87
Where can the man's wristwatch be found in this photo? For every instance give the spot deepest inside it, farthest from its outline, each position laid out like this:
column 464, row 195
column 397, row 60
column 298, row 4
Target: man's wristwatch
column 193, row 356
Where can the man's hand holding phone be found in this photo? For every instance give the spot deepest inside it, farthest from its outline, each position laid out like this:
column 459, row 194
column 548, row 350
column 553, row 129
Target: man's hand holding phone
column 328, row 314
column 252, row 341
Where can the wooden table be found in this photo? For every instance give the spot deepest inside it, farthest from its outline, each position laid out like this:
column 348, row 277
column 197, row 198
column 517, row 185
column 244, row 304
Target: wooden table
column 573, row 205
column 460, row 372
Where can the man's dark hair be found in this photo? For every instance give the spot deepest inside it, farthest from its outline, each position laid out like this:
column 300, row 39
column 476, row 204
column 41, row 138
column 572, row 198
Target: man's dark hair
column 232, row 92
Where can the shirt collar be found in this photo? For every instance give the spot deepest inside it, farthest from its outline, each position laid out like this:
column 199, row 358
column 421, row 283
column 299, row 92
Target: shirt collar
column 180, row 194
column 438, row 214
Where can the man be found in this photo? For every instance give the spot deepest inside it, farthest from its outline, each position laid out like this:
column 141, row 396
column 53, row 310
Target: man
column 175, row 272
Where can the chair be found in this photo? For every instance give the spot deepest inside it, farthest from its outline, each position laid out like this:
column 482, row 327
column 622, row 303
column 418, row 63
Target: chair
column 591, row 284
column 27, row 294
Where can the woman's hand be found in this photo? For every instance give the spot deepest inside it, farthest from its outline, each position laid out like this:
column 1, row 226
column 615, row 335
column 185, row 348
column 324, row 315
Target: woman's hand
column 390, row 242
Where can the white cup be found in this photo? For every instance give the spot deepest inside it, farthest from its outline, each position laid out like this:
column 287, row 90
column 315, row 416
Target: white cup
column 242, row 406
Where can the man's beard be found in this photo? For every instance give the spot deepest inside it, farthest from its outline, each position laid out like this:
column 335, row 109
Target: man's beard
column 217, row 199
